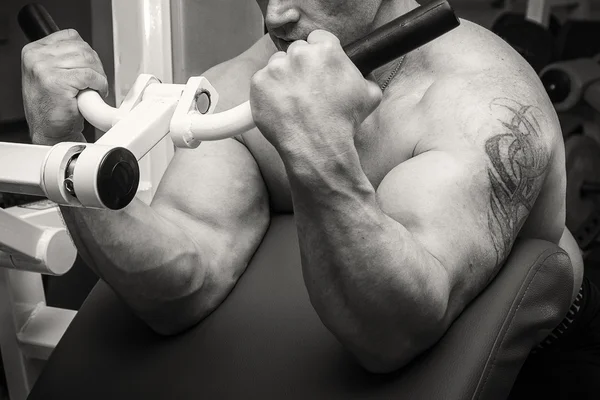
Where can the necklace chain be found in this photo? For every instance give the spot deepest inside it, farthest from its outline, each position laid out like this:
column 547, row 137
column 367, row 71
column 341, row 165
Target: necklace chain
column 394, row 72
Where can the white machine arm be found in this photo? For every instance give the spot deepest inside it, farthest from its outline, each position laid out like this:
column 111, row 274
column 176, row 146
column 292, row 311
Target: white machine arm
column 28, row 246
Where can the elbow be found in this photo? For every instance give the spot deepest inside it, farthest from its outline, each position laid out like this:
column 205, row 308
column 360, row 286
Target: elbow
column 378, row 358
column 204, row 290
column 388, row 352
column 380, row 364
column 172, row 328
column 386, row 359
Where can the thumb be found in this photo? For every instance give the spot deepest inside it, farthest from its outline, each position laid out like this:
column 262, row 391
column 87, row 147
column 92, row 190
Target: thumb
column 374, row 95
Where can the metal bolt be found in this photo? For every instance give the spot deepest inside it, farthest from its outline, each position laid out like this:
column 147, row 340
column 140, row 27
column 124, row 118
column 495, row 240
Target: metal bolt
column 69, row 186
column 203, row 102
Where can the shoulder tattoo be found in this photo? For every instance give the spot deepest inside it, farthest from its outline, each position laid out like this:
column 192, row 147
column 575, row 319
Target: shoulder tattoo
column 518, row 162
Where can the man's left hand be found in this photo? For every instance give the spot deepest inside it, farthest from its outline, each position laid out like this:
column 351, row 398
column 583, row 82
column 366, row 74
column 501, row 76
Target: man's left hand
column 312, row 98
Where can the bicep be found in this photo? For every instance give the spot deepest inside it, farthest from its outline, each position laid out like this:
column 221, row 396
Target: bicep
column 217, row 190
column 217, row 195
column 461, row 210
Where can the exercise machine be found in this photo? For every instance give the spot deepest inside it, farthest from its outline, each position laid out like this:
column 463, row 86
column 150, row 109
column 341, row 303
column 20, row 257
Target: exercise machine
column 574, row 87
column 533, row 33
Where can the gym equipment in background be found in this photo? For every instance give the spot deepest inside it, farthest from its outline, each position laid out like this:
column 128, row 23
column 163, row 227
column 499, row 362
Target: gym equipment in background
column 583, row 189
column 534, row 33
column 578, row 39
column 568, row 83
column 571, row 85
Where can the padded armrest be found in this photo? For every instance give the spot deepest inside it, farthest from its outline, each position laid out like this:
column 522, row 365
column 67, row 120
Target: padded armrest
column 266, row 341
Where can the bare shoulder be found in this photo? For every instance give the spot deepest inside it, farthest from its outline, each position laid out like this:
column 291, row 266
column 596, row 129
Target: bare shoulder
column 477, row 108
column 502, row 127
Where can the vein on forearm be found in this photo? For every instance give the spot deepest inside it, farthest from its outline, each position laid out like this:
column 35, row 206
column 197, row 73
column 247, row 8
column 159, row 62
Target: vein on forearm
column 358, row 263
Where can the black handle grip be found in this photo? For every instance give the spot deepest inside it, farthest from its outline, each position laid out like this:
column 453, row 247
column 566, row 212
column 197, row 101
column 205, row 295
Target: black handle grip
column 35, row 22
column 402, row 35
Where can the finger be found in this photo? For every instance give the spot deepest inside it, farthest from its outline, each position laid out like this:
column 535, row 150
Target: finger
column 81, row 58
column 375, row 94
column 322, row 36
column 87, row 78
column 65, row 54
column 276, row 56
column 296, row 45
column 34, row 50
column 60, row 36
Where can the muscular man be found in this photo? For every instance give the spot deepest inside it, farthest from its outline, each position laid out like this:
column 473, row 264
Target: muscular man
column 408, row 188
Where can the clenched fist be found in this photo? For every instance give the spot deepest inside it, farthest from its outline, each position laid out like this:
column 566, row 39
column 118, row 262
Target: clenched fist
column 54, row 69
column 312, row 97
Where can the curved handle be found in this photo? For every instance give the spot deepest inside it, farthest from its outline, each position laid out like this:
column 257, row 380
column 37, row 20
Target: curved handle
column 36, row 23
column 390, row 41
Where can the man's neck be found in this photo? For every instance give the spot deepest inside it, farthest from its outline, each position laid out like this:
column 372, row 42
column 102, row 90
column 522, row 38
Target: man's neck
column 390, row 10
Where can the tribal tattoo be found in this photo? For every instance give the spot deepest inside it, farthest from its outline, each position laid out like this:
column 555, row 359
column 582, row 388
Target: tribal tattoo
column 518, row 162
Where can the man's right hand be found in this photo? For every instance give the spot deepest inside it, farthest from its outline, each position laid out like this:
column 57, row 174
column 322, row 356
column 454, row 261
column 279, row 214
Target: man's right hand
column 54, row 70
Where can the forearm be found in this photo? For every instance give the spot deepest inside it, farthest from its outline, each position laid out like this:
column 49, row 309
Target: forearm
column 372, row 284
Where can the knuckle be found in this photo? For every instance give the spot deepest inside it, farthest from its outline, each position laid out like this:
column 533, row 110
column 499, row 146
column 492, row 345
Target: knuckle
column 328, row 45
column 88, row 55
column 298, row 51
column 257, row 78
column 276, row 67
column 39, row 70
column 45, row 80
column 314, row 34
column 88, row 75
column 27, row 57
column 72, row 33
column 26, row 52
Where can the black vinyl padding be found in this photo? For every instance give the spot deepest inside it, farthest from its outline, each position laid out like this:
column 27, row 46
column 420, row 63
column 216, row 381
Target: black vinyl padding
column 266, row 341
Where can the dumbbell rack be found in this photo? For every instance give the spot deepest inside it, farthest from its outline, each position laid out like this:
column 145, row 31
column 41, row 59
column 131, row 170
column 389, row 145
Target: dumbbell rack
column 540, row 10
column 574, row 89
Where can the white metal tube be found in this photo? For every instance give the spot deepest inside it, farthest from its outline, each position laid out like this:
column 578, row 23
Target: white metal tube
column 20, row 168
column 163, row 90
column 95, row 110
column 142, row 128
column 222, row 125
column 539, row 11
column 43, row 330
column 34, row 248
